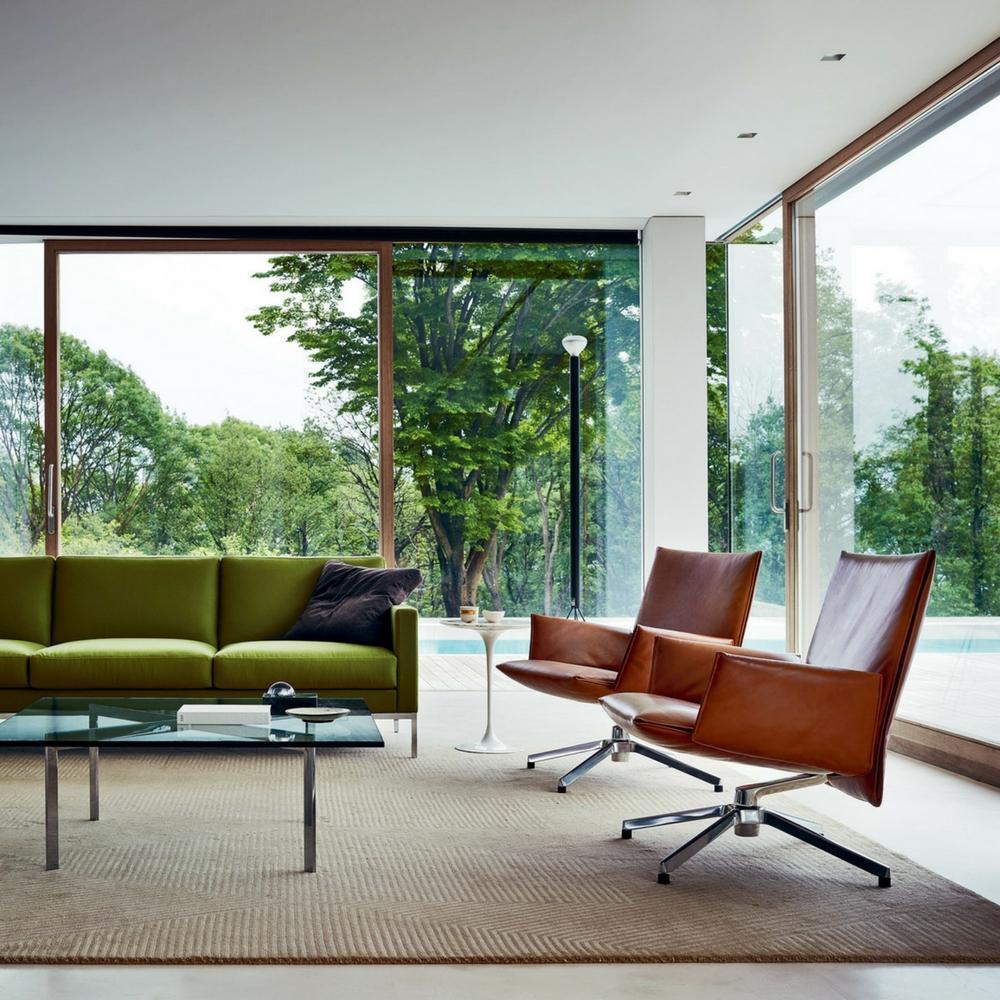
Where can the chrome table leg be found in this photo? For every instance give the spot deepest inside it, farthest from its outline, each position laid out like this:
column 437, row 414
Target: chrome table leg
column 51, row 808
column 309, row 801
column 95, row 801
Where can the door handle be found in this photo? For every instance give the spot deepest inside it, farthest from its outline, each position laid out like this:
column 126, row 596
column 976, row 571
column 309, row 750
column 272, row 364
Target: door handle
column 809, row 480
column 776, row 508
column 50, row 502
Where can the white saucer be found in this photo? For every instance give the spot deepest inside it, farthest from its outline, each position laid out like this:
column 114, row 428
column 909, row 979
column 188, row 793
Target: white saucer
column 319, row 714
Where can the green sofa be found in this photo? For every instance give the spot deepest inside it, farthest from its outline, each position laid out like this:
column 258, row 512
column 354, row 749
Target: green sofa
column 186, row 627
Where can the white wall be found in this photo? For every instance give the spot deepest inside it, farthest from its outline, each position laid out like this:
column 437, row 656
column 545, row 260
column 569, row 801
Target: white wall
column 675, row 404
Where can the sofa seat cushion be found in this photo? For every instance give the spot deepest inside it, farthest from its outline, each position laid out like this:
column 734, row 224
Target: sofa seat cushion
column 307, row 666
column 122, row 663
column 14, row 655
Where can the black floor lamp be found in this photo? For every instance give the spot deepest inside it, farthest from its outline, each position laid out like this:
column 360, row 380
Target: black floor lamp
column 574, row 345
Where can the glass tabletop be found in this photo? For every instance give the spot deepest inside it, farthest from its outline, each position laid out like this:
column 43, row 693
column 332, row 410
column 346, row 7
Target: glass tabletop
column 152, row 722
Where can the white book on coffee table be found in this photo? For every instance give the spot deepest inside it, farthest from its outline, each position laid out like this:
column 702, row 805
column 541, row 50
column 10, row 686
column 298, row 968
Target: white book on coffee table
column 224, row 715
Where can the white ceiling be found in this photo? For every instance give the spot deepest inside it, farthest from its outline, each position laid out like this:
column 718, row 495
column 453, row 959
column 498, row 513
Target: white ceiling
column 446, row 112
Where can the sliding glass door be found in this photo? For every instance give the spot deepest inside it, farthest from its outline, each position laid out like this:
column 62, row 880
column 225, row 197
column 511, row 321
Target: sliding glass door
column 747, row 414
column 899, row 394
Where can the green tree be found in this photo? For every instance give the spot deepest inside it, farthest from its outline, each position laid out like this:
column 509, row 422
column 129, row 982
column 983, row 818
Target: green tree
column 479, row 376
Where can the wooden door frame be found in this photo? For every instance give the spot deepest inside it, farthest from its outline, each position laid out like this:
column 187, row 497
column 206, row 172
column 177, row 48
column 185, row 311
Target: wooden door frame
column 54, row 249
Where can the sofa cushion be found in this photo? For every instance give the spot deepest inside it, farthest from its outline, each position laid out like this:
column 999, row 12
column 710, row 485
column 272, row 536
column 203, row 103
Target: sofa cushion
column 26, row 608
column 122, row 663
column 130, row 597
column 14, row 655
column 352, row 603
column 307, row 666
column 262, row 597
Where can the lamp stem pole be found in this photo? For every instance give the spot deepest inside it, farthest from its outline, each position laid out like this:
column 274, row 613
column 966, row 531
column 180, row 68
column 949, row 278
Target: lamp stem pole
column 576, row 586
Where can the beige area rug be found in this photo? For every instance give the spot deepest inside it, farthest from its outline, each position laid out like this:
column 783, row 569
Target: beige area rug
column 448, row 858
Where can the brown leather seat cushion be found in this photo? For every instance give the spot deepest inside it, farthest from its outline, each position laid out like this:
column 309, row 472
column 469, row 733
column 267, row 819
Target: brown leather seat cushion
column 664, row 721
column 565, row 680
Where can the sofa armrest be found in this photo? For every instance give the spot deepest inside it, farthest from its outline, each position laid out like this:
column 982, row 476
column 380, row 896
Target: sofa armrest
column 795, row 714
column 405, row 645
column 569, row 640
column 682, row 665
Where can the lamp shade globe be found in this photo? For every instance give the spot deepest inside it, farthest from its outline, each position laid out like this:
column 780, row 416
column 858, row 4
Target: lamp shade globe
column 574, row 344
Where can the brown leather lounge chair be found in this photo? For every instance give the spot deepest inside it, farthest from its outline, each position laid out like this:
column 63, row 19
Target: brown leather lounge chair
column 826, row 717
column 692, row 594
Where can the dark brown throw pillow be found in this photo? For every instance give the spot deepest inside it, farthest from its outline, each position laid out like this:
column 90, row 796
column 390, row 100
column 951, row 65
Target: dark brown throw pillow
column 351, row 604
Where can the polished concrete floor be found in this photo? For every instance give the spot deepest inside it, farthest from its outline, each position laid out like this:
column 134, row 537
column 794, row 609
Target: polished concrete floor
column 947, row 823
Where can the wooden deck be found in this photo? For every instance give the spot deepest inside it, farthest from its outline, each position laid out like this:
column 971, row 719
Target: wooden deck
column 452, row 672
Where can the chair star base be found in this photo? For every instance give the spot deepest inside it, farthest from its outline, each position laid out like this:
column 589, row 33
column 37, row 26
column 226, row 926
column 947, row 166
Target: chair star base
column 617, row 747
column 745, row 817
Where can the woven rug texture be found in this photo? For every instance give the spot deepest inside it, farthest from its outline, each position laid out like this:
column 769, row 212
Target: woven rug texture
column 448, row 858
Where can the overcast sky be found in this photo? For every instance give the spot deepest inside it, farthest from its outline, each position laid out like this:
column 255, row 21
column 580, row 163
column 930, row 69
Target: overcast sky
column 179, row 321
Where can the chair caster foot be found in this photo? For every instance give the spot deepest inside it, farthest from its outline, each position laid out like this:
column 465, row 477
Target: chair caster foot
column 561, row 788
column 884, row 881
column 531, row 765
column 626, row 834
column 663, row 878
column 718, row 788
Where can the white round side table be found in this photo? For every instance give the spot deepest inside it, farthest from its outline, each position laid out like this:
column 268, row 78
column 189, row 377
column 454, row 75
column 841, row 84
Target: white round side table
column 489, row 632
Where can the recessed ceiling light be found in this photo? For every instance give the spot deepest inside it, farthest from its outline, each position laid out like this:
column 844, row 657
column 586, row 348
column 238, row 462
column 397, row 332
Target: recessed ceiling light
column 833, row 57
column 681, row 194
column 747, row 135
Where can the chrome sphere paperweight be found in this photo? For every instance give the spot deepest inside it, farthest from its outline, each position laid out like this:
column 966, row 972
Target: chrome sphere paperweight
column 281, row 696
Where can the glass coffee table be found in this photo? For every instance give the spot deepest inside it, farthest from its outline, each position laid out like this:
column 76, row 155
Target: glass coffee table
column 54, row 724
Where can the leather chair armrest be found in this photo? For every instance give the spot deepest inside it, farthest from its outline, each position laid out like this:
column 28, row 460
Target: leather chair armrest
column 405, row 645
column 568, row 640
column 800, row 716
column 682, row 666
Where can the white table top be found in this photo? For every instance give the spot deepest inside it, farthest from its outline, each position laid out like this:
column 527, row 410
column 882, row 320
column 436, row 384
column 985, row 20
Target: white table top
column 481, row 625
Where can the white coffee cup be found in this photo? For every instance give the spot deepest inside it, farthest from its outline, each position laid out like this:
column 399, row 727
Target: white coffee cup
column 494, row 616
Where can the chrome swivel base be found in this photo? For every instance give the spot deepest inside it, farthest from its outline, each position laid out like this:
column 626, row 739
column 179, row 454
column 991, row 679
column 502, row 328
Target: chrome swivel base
column 745, row 817
column 618, row 747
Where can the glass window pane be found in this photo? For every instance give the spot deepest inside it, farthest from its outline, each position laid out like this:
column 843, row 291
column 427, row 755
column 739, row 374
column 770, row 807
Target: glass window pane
column 746, row 413
column 482, row 435
column 905, row 417
column 219, row 403
column 22, row 395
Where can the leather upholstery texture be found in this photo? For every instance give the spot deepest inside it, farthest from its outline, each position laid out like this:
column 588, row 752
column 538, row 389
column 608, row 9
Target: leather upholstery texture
column 565, row 680
column 637, row 668
column 830, row 712
column 798, row 715
column 688, row 594
column 571, row 641
column 705, row 593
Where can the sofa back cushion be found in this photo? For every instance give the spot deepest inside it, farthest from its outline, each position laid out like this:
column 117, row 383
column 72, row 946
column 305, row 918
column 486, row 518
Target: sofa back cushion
column 136, row 597
column 261, row 597
column 26, row 598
